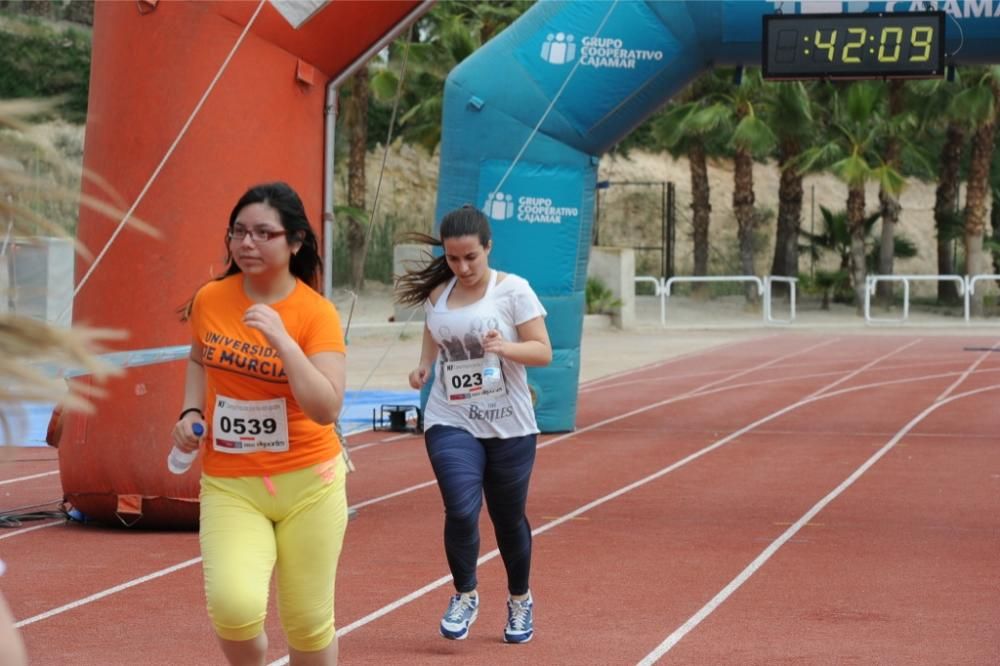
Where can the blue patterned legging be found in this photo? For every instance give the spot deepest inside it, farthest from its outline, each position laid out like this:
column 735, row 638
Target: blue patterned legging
column 467, row 468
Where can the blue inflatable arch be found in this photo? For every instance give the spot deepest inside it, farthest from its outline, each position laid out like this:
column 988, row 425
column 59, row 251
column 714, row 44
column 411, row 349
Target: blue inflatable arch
column 586, row 73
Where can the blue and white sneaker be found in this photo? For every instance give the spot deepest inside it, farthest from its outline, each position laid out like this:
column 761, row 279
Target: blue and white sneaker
column 463, row 609
column 520, row 621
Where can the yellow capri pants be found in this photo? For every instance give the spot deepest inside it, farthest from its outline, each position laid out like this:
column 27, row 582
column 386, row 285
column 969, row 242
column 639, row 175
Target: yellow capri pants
column 250, row 524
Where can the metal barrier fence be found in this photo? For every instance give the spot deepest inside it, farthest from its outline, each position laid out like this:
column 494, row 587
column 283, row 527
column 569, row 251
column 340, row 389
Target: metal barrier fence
column 708, row 278
column 662, row 288
column 657, row 291
column 872, row 281
column 768, row 300
column 970, row 289
column 966, row 287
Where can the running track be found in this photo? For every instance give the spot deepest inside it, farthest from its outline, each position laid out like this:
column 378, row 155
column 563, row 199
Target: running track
column 796, row 499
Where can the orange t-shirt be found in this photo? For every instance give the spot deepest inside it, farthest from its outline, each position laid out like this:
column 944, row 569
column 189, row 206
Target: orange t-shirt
column 240, row 364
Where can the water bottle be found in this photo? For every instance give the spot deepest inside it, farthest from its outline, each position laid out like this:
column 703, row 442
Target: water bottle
column 180, row 461
column 491, row 370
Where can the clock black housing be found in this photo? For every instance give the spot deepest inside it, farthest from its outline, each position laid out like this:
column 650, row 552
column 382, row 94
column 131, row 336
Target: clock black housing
column 854, row 46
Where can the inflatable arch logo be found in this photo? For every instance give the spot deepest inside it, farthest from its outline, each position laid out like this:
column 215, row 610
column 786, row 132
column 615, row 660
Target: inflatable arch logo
column 499, row 206
column 559, row 48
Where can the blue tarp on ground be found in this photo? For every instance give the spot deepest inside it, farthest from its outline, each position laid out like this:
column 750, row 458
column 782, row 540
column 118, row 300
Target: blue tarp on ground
column 29, row 421
column 358, row 406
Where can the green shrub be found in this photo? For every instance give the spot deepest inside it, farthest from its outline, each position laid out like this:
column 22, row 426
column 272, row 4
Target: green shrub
column 42, row 61
column 599, row 298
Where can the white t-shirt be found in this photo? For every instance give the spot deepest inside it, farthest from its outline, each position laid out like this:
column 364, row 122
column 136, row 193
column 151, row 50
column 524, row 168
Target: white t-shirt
column 457, row 397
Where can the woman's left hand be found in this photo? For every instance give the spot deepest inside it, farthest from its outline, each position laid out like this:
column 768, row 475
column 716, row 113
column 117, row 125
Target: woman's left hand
column 265, row 319
column 493, row 342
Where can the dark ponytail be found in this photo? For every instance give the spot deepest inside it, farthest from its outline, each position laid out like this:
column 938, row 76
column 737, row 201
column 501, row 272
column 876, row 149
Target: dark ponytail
column 415, row 286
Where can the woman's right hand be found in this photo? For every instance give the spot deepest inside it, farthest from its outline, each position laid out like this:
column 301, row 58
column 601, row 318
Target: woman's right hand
column 183, row 433
column 419, row 377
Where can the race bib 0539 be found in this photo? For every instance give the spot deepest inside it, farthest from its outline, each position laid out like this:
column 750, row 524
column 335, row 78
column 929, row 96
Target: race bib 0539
column 249, row 426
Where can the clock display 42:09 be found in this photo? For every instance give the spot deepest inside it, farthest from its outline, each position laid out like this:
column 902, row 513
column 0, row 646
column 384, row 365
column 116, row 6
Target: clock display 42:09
column 889, row 45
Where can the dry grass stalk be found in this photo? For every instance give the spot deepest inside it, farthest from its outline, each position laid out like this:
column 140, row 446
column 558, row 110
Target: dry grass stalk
column 34, row 355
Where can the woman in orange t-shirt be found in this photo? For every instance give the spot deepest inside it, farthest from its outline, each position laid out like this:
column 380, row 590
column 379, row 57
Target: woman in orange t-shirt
column 264, row 386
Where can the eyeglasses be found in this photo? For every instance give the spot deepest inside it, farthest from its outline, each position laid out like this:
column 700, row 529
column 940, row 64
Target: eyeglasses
column 256, row 235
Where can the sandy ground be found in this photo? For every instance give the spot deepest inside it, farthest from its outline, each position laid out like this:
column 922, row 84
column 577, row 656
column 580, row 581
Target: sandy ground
column 381, row 352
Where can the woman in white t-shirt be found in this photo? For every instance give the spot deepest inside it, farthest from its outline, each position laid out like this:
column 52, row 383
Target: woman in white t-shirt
column 480, row 428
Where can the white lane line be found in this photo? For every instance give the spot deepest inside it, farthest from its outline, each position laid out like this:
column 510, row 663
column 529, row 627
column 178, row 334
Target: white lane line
column 697, row 392
column 595, row 383
column 579, row 431
column 693, row 393
column 657, row 382
column 380, row 442
column 416, row 594
column 816, row 375
column 766, row 554
column 404, row 491
column 540, row 530
column 105, row 593
column 857, row 372
column 14, row 533
column 965, row 375
column 28, row 478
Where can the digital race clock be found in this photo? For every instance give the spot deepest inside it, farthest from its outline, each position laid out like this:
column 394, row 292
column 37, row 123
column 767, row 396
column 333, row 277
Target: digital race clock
column 853, row 46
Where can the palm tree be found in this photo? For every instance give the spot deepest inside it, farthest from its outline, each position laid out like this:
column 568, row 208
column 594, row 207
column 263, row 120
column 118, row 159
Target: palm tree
column 355, row 116
column 789, row 112
column 983, row 102
column 856, row 125
column 897, row 122
column 942, row 116
column 445, row 36
column 674, row 130
column 751, row 138
column 947, row 222
column 995, row 219
column 836, row 238
column 692, row 128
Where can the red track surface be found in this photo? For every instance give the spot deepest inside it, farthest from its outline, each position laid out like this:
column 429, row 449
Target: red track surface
column 706, row 511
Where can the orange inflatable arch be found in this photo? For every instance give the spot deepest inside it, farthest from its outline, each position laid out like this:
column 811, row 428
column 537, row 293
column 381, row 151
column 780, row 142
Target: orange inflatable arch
column 265, row 119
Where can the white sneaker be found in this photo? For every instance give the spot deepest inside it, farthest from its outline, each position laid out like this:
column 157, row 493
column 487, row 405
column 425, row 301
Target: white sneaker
column 463, row 609
column 520, row 620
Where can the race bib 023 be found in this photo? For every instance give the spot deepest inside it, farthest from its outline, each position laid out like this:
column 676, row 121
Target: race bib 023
column 463, row 381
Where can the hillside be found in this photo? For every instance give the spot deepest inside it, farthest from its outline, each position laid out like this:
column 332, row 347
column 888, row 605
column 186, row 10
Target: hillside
column 633, row 218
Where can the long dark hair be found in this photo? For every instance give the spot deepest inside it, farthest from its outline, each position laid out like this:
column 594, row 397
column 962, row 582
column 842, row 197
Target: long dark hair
column 414, row 287
column 306, row 264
